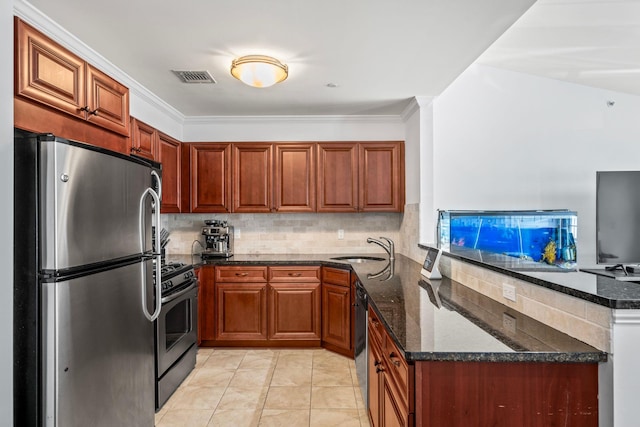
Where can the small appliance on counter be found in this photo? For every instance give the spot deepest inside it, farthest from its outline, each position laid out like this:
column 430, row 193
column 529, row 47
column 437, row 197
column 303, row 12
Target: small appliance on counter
column 218, row 239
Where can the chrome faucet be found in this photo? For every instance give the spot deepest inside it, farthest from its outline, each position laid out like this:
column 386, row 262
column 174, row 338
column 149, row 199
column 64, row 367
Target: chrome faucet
column 388, row 247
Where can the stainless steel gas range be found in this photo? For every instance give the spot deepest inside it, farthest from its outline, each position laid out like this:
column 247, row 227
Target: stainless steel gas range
column 176, row 329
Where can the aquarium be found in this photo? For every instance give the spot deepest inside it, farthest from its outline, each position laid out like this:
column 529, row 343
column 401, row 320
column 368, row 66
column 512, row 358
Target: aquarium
column 520, row 239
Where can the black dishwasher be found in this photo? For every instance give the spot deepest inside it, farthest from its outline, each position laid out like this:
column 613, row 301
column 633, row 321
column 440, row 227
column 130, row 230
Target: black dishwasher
column 361, row 341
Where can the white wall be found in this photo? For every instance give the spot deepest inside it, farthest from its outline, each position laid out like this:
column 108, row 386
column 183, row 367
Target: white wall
column 6, row 214
column 506, row 140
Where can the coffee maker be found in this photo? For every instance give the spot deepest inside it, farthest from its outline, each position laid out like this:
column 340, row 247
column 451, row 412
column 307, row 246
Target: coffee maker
column 218, row 239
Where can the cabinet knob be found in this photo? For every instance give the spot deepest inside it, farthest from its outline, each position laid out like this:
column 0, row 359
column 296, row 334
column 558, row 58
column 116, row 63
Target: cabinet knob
column 85, row 109
column 94, row 112
column 379, row 369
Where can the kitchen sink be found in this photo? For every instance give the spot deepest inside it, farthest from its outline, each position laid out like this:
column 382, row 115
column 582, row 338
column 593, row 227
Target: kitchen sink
column 358, row 258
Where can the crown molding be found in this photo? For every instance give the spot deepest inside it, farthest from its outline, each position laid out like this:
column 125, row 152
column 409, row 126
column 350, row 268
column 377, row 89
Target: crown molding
column 34, row 17
column 415, row 104
column 324, row 119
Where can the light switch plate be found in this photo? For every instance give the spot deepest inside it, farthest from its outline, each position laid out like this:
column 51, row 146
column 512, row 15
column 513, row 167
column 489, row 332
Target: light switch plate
column 509, row 292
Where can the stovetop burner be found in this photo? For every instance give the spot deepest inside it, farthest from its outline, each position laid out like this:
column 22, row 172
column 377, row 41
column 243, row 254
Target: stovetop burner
column 174, row 275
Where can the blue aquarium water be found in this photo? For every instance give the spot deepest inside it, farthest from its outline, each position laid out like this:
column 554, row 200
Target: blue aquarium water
column 540, row 236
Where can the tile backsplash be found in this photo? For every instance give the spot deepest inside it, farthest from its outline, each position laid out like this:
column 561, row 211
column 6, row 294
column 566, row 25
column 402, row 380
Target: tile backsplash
column 306, row 233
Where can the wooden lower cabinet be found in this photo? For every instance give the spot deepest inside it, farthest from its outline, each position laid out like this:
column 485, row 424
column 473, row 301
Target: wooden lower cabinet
column 266, row 306
column 337, row 313
column 241, row 311
column 206, row 304
column 294, row 311
column 467, row 393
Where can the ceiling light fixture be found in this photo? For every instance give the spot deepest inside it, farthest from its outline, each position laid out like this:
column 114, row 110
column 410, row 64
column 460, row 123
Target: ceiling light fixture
column 259, row 70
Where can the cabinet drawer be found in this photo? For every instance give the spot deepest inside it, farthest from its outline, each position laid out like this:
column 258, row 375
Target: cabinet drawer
column 336, row 276
column 398, row 368
column 241, row 274
column 308, row 274
column 376, row 329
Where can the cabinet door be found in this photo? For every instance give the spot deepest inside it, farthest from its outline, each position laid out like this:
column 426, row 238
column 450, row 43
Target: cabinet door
column 143, row 140
column 374, row 379
column 337, row 177
column 252, row 171
column 170, row 155
column 206, row 304
column 381, row 177
column 295, row 177
column 294, row 311
column 107, row 101
column 48, row 73
column 241, row 311
column 210, row 166
column 392, row 412
column 336, row 318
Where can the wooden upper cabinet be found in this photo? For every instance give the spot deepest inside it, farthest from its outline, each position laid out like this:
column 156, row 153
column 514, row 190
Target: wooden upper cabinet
column 295, row 177
column 381, row 177
column 51, row 75
column 170, row 155
column 48, row 73
column 210, row 174
column 143, row 140
column 107, row 101
column 337, row 177
column 252, row 177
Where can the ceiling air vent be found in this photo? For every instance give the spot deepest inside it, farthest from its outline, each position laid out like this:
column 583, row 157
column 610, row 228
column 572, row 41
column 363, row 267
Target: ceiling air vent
column 194, row 76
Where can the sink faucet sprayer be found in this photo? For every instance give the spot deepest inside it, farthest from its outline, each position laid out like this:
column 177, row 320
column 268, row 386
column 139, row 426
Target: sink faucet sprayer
column 388, row 247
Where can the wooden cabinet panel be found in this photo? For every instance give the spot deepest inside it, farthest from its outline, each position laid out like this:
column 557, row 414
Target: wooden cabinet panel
column 206, row 304
column 107, row 101
column 336, row 276
column 241, row 311
column 143, row 139
column 294, row 311
column 48, row 73
column 242, row 274
column 252, row 177
column 295, row 177
column 51, row 75
column 337, row 177
column 170, row 155
column 393, row 412
column 374, row 381
column 210, row 167
column 297, row 274
column 336, row 317
column 381, row 177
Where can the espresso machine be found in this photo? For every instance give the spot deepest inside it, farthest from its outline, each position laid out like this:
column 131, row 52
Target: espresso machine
column 218, row 239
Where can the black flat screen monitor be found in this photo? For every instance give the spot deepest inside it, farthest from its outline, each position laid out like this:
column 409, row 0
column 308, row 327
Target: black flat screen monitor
column 618, row 217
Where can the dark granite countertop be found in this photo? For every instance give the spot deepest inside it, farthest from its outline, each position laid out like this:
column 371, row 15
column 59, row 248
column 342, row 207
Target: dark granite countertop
column 439, row 319
column 590, row 287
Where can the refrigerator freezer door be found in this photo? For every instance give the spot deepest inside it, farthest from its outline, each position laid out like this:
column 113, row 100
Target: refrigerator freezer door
column 89, row 206
column 98, row 351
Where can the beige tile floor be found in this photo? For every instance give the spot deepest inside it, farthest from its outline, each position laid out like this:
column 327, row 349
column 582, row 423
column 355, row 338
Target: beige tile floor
column 270, row 387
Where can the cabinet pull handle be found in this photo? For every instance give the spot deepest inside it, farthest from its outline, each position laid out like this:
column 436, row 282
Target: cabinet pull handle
column 295, row 274
column 94, row 112
column 379, row 369
column 394, row 359
column 85, row 109
column 242, row 274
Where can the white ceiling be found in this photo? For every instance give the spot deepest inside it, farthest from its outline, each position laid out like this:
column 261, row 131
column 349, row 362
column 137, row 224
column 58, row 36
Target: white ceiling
column 590, row 42
column 379, row 53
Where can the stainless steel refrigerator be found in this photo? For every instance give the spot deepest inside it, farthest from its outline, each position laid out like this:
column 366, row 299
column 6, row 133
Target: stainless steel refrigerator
column 84, row 294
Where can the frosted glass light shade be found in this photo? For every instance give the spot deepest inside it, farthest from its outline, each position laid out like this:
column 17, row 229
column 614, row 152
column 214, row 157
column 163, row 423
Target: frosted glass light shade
column 259, row 70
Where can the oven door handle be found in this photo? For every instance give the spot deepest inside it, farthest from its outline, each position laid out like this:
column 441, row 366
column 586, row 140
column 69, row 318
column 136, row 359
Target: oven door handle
column 171, row 297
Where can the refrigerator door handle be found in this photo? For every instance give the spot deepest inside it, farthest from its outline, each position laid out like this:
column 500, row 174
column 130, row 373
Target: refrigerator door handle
column 143, row 270
column 154, row 173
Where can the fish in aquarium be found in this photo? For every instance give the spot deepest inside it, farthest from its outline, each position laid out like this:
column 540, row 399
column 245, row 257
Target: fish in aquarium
column 549, row 254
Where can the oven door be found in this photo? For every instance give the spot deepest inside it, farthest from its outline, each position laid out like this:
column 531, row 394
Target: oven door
column 177, row 326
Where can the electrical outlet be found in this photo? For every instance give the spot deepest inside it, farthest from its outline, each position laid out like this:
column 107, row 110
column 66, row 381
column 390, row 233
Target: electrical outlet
column 509, row 292
column 509, row 323
column 340, row 234
column 237, row 233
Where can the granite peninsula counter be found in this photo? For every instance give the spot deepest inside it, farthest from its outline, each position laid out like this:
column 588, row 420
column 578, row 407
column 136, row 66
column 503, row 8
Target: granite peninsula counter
column 439, row 320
